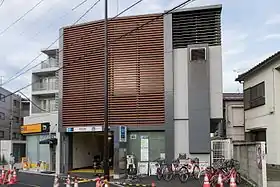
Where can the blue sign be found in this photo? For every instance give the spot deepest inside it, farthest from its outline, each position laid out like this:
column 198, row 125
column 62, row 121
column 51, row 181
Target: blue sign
column 123, row 134
column 69, row 129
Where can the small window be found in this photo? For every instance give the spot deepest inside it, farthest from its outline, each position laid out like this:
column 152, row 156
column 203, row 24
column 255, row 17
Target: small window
column 2, row 116
column 2, row 97
column 254, row 96
column 198, row 54
column 1, row 134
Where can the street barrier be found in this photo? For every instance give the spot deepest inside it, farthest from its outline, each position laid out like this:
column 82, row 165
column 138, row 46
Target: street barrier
column 132, row 185
column 8, row 176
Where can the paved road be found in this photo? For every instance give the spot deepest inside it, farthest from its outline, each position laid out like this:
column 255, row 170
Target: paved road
column 35, row 180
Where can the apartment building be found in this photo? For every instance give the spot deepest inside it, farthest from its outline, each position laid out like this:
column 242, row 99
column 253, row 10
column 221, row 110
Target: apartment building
column 158, row 106
column 40, row 126
column 12, row 110
column 261, row 86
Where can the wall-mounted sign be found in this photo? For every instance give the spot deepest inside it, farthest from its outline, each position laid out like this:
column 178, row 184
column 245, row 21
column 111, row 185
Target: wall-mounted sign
column 123, row 134
column 35, row 128
column 85, row 129
column 133, row 136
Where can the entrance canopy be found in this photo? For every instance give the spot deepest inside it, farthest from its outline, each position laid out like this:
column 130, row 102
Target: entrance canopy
column 49, row 141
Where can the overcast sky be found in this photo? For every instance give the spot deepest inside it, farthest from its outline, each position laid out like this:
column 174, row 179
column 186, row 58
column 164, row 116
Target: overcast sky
column 250, row 31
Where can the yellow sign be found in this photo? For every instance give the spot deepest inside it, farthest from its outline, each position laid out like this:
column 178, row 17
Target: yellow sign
column 34, row 128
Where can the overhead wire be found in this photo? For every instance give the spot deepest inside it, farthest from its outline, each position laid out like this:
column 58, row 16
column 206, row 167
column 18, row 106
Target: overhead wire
column 19, row 73
column 33, row 103
column 21, row 17
column 2, row 2
column 133, row 30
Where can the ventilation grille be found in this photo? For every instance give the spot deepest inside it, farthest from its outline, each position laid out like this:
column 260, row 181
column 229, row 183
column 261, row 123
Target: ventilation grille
column 197, row 27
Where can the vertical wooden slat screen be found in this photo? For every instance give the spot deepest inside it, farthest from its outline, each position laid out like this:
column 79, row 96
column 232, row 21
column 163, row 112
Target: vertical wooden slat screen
column 136, row 95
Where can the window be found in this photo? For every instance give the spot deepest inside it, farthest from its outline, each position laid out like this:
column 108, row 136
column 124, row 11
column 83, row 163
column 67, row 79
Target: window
column 1, row 134
column 198, row 54
column 254, row 96
column 2, row 97
column 2, row 116
column 16, row 103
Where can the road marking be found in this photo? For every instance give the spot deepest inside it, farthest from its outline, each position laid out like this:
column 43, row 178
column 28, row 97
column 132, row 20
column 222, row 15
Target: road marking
column 32, row 185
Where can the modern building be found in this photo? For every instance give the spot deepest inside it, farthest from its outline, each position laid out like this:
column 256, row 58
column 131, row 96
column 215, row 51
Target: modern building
column 233, row 124
column 165, row 87
column 40, row 127
column 261, row 86
column 12, row 110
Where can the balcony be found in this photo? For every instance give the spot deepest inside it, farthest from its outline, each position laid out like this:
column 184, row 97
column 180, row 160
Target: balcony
column 48, row 66
column 46, row 106
column 49, row 63
column 45, row 88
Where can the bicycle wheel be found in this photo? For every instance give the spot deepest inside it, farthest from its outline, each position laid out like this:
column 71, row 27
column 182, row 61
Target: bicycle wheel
column 159, row 174
column 196, row 172
column 183, row 177
column 168, row 174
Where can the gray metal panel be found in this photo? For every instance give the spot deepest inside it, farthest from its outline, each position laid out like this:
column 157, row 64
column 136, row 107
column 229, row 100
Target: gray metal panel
column 60, row 81
column 199, row 105
column 168, row 88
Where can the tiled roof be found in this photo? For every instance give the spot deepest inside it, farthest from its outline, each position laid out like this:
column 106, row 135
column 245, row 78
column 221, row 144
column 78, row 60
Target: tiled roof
column 233, row 96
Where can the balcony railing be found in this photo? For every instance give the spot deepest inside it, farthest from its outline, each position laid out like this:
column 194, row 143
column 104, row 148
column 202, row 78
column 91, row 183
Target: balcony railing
column 45, row 86
column 49, row 63
column 50, row 108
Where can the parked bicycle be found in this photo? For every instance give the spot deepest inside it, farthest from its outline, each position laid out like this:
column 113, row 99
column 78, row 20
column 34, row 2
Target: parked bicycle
column 175, row 169
column 227, row 169
column 193, row 170
column 161, row 167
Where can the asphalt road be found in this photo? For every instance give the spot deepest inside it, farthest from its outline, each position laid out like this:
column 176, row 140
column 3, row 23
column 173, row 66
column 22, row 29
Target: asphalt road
column 35, row 180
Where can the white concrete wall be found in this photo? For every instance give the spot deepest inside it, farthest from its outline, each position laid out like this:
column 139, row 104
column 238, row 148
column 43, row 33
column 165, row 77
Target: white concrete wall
column 234, row 118
column 267, row 116
column 85, row 147
column 181, row 116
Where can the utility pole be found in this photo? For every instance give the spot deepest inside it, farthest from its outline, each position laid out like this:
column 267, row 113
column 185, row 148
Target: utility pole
column 106, row 126
column 11, row 118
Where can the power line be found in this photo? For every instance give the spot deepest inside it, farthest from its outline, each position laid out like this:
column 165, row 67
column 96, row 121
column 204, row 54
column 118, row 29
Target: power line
column 133, row 30
column 2, row 3
column 64, row 15
column 21, row 17
column 18, row 74
column 33, row 102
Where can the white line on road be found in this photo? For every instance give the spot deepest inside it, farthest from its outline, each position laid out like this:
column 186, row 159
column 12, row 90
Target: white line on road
column 32, row 185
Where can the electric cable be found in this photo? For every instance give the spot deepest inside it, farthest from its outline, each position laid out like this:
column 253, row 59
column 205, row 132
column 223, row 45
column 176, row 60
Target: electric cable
column 18, row 75
column 133, row 30
column 21, row 17
column 37, row 33
column 33, row 103
column 2, row 2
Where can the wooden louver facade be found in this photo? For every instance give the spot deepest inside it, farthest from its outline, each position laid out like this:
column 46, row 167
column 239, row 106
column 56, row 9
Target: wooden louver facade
column 136, row 73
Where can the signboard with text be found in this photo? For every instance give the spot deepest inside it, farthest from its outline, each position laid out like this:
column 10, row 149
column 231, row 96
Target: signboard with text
column 123, row 134
column 85, row 129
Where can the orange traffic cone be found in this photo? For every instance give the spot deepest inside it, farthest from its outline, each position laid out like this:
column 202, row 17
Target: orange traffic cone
column 68, row 181
column 153, row 184
column 220, row 181
column 76, row 184
column 206, row 181
column 56, row 181
column 232, row 181
column 15, row 175
column 12, row 177
column 97, row 183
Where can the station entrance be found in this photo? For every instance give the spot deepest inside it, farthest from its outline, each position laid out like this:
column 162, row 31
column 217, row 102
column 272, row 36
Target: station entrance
column 88, row 151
